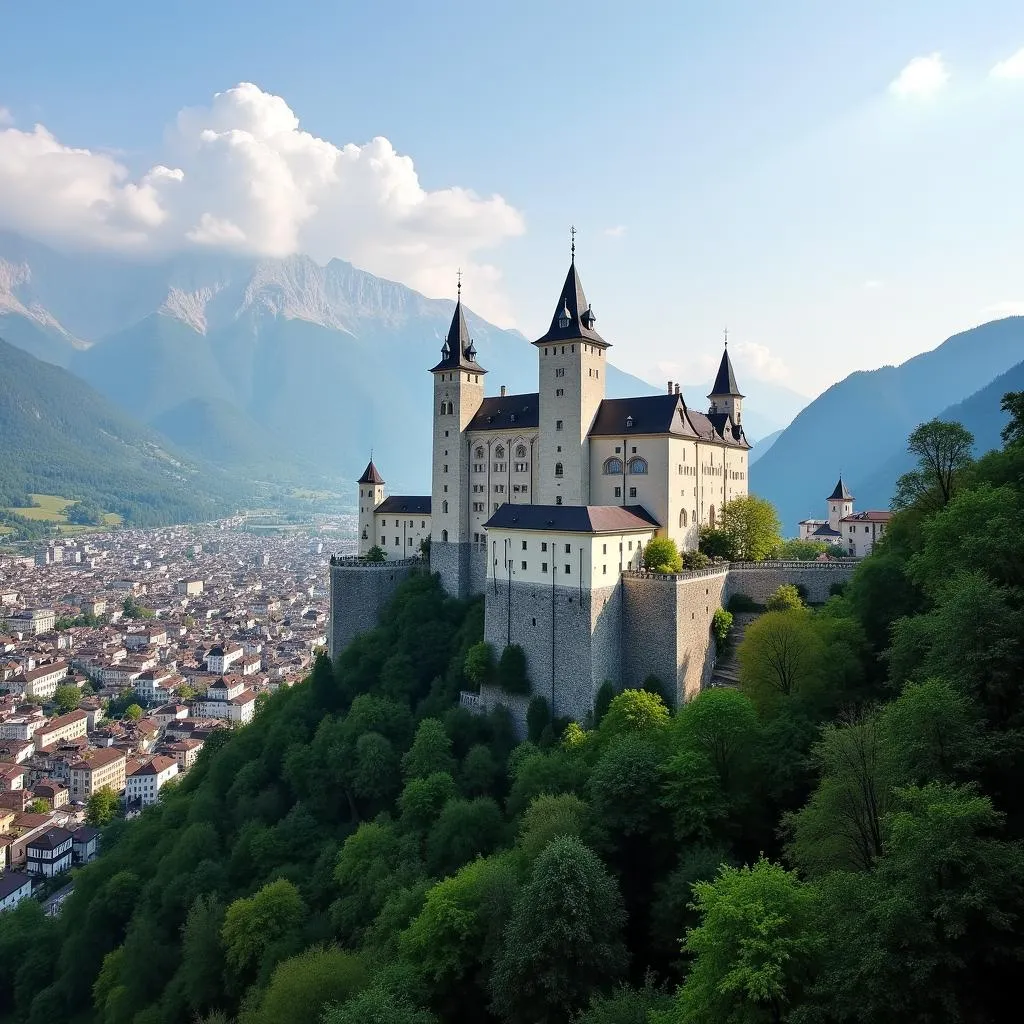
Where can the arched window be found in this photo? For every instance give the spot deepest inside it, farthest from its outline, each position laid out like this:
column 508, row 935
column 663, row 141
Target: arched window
column 444, row 507
column 520, row 451
column 711, row 517
column 451, row 408
column 558, row 469
column 638, row 466
column 444, row 408
column 612, row 467
column 682, row 518
column 479, row 451
column 444, row 536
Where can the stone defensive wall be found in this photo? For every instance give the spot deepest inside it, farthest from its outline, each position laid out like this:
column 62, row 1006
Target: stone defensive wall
column 759, row 580
column 572, row 641
column 359, row 592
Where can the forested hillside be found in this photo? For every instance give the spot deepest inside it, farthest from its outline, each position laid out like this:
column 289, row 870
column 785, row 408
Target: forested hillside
column 837, row 841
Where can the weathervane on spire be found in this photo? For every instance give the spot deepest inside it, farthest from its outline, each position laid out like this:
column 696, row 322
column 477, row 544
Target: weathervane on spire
column 458, row 277
column 726, row 333
column 572, row 247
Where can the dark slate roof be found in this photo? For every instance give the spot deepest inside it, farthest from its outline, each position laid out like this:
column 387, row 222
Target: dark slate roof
column 11, row 882
column 370, row 475
column 507, row 412
column 458, row 351
column 573, row 518
column 868, row 517
column 725, row 382
column 840, row 493
column 824, row 531
column 581, row 317
column 85, row 834
column 412, row 504
column 50, row 839
column 663, row 414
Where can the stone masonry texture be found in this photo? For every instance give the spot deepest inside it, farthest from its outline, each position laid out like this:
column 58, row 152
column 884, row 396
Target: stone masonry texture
column 358, row 595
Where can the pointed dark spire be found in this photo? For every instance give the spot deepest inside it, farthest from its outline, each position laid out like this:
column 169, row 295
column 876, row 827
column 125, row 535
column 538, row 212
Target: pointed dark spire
column 370, row 475
column 458, row 351
column 841, row 493
column 574, row 318
column 725, row 383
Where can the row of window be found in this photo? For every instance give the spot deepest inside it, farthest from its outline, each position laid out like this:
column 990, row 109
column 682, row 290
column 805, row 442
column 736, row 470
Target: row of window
column 636, row 465
column 499, row 451
column 572, row 348
column 398, row 541
column 411, row 522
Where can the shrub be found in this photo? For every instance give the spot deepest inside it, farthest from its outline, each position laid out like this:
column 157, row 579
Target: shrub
column 721, row 626
column 538, row 716
column 716, row 543
column 512, row 677
column 836, row 589
column 603, row 698
column 695, row 560
column 786, row 599
column 479, row 665
column 376, row 554
column 662, row 555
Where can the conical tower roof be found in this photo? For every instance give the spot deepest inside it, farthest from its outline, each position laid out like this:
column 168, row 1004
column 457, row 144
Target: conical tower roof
column 371, row 475
column 725, row 382
column 841, row 493
column 458, row 351
column 573, row 319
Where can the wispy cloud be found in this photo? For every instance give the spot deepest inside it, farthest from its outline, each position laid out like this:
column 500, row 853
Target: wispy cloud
column 615, row 232
column 6, row 117
column 922, row 77
column 1012, row 67
column 760, row 361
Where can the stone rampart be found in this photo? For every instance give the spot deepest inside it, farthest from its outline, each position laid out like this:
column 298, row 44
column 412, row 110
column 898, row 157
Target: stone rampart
column 571, row 640
column 359, row 591
column 759, row 580
column 451, row 562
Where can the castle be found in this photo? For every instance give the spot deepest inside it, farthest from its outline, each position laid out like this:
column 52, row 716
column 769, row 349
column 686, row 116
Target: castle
column 854, row 533
column 544, row 503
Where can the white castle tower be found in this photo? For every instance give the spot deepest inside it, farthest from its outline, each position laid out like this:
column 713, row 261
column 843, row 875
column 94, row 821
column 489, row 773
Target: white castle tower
column 371, row 494
column 840, row 504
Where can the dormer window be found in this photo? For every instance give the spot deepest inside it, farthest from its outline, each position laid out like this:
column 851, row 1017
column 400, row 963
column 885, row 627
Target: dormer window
column 629, row 421
column 564, row 317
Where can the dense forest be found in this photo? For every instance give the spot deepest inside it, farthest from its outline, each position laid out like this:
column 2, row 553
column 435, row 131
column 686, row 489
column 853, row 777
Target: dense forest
column 838, row 840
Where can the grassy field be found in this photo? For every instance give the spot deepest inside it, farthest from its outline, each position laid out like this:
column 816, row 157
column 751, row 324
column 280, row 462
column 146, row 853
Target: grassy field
column 52, row 508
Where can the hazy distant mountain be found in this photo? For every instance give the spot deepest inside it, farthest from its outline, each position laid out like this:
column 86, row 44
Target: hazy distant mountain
column 762, row 447
column 980, row 414
column 328, row 361
column 58, row 436
column 858, row 425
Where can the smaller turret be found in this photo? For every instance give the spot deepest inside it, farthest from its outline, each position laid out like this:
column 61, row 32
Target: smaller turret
column 840, row 504
column 725, row 394
column 371, row 494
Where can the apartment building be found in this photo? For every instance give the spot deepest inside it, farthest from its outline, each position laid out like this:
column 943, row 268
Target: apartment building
column 99, row 769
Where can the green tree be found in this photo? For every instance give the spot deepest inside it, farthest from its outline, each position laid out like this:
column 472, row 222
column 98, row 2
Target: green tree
column 716, row 543
column 201, row 974
column 753, row 526
column 633, row 711
column 303, row 986
column 252, row 924
column 102, row 807
column 65, row 699
column 464, row 829
column 803, row 550
column 133, row 712
column 376, row 554
column 38, row 806
column 943, row 453
column 662, row 555
column 479, row 771
column 626, row 1005
column 754, row 950
column 785, row 599
column 563, row 942
column 1013, row 405
column 431, row 751
column 479, row 665
column 512, row 677
column 550, row 816
column 722, row 725
column 782, row 656
column 377, row 1006
column 423, row 798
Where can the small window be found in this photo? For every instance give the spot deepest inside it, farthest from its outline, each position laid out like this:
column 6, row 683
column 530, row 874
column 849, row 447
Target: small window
column 543, row 545
column 613, row 467
column 499, row 452
column 523, row 564
column 604, row 549
column 568, row 549
column 543, row 566
column 479, row 451
column 568, row 569
column 444, row 507
column 558, row 424
column 444, row 536
column 520, row 451
column 558, row 469
column 560, row 371
column 632, row 492
column 559, row 392
column 558, row 499
column 524, row 545
column 618, row 492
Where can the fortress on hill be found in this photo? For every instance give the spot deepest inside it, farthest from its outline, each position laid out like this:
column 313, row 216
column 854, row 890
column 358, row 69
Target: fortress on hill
column 544, row 503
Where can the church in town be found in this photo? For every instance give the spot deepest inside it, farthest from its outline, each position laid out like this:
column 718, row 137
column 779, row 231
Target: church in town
column 563, row 461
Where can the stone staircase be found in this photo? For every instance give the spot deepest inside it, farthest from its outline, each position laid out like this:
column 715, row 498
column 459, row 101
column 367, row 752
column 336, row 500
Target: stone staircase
column 727, row 669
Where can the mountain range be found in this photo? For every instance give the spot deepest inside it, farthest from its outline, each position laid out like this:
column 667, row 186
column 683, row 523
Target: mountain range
column 859, row 426
column 275, row 368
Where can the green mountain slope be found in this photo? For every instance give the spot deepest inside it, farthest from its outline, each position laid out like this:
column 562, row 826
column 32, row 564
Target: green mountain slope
column 862, row 422
column 60, row 437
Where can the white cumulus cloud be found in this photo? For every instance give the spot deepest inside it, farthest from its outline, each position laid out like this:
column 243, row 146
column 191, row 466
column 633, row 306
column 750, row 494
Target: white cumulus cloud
column 1012, row 67
column 760, row 360
column 240, row 174
column 6, row 117
column 922, row 76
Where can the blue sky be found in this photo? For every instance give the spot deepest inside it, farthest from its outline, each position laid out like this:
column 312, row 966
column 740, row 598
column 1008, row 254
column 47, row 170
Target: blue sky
column 741, row 164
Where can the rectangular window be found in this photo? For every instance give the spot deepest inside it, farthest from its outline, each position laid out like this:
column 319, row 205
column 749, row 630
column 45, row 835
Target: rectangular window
column 630, row 545
column 559, row 392
column 523, row 564
column 604, row 549
column 568, row 549
column 543, row 566
column 383, row 540
column 604, row 570
column 568, row 569
column 524, row 545
column 618, row 492
column 446, row 467
column 499, row 488
column 543, row 545
column 521, row 467
column 397, row 542
column 560, row 371
column 632, row 492
column 558, row 424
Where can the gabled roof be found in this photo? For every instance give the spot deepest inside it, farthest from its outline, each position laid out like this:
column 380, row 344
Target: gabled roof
column 840, row 493
column 725, row 381
column 51, row 839
column 412, row 504
column 507, row 412
column 824, row 532
column 458, row 351
column 370, row 475
column 663, row 414
column 573, row 518
column 572, row 310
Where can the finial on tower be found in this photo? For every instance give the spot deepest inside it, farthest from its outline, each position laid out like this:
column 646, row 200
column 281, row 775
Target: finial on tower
column 458, row 287
column 726, row 333
column 572, row 247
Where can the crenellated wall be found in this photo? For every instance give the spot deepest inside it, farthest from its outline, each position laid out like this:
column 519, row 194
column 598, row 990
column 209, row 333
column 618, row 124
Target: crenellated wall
column 359, row 591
